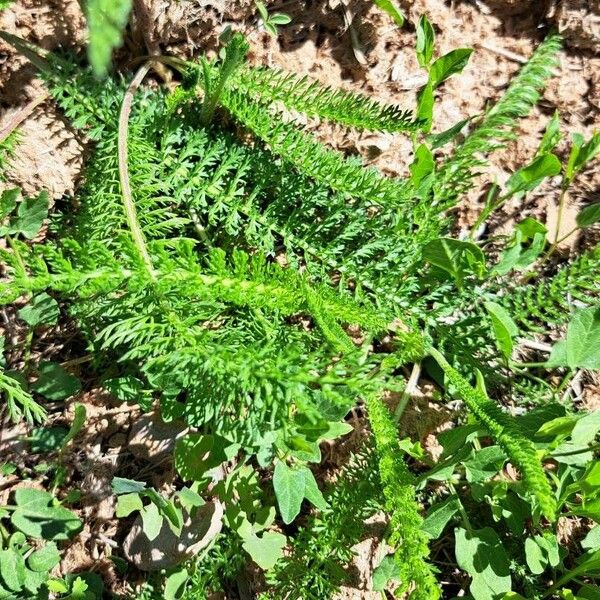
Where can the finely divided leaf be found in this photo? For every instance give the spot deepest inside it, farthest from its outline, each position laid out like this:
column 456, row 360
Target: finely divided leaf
column 106, row 21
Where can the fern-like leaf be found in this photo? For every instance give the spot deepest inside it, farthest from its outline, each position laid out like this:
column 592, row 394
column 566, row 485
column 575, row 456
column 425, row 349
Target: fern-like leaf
column 505, row 431
column 497, row 124
column 106, row 20
column 549, row 301
column 307, row 96
column 407, row 537
column 314, row 569
column 19, row 402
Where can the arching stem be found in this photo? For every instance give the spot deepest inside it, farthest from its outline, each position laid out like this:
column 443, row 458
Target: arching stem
column 128, row 204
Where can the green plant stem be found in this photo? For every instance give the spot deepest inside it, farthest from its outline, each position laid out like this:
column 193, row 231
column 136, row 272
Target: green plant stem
column 561, row 209
column 128, row 204
column 17, row 254
column 557, row 241
column 210, row 102
column 35, row 54
column 16, row 119
column 461, row 508
column 566, row 380
column 488, row 209
column 27, row 352
column 527, row 365
column 408, row 392
column 579, row 451
column 568, row 235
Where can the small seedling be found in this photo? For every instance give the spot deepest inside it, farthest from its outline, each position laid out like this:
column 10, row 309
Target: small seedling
column 271, row 22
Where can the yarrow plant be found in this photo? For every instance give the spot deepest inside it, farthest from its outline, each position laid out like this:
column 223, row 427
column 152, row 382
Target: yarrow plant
column 258, row 285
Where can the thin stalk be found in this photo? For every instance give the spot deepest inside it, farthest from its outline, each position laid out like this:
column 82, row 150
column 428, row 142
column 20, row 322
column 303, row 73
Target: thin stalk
column 409, row 390
column 488, row 208
column 34, row 54
column 128, row 203
column 565, row 382
column 18, row 256
column 211, row 99
column 561, row 208
column 527, row 365
column 21, row 115
column 568, row 235
column 461, row 509
column 27, row 351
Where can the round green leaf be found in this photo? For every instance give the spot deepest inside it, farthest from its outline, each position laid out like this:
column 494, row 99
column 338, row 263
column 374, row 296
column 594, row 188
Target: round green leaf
column 36, row 516
column 44, row 559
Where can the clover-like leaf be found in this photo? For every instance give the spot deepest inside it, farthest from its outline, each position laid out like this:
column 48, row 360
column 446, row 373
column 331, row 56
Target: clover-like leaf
column 30, row 216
